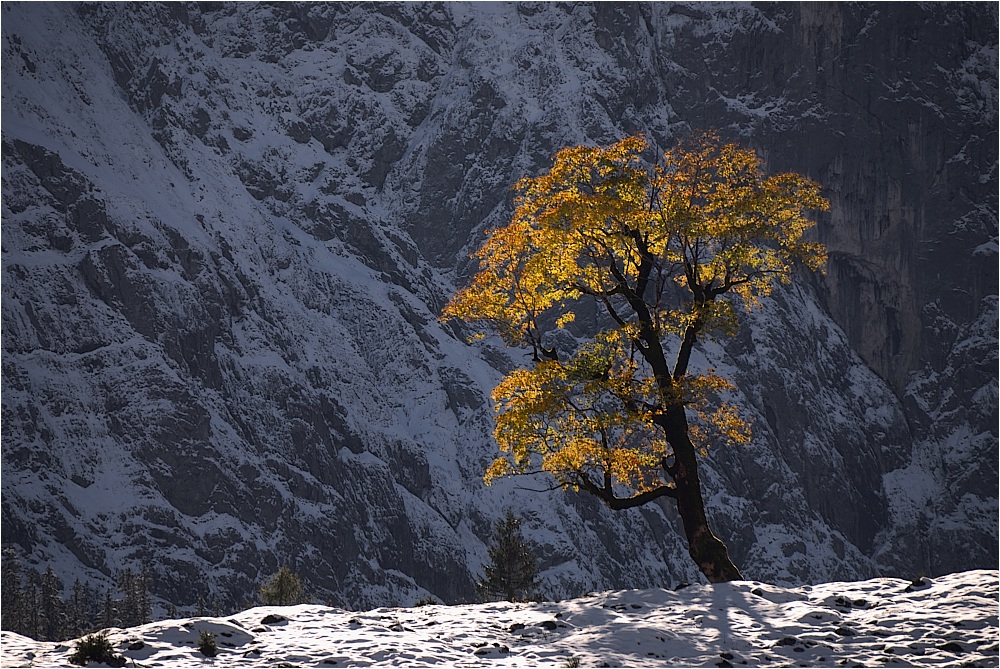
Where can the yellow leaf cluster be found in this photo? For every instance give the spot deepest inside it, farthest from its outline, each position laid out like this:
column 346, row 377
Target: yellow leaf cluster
column 738, row 230
column 605, row 225
column 723, row 423
column 587, row 416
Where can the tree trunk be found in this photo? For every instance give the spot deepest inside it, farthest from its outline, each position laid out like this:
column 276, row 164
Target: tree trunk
column 706, row 549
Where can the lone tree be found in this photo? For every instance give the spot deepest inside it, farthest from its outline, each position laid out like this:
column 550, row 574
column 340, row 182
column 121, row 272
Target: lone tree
column 511, row 576
column 282, row 589
column 667, row 253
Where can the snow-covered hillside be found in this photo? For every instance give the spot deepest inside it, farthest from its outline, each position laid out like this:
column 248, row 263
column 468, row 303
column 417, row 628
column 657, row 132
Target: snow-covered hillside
column 228, row 230
column 946, row 621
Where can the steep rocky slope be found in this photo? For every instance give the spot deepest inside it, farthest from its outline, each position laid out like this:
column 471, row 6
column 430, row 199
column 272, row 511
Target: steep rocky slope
column 228, row 229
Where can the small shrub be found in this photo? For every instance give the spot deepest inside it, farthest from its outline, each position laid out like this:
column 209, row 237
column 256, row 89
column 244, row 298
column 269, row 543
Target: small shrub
column 426, row 601
column 96, row 648
column 206, row 644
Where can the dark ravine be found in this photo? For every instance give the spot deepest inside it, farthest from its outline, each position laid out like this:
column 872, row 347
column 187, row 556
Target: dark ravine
column 229, row 228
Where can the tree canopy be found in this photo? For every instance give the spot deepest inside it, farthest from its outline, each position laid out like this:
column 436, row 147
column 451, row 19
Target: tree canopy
column 668, row 252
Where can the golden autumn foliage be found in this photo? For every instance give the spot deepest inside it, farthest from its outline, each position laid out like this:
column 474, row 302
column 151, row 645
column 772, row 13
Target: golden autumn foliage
column 668, row 252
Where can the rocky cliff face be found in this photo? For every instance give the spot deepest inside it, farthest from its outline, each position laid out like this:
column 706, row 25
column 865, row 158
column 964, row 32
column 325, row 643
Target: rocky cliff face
column 228, row 229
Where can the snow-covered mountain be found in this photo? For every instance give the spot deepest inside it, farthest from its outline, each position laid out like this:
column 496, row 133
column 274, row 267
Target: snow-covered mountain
column 228, row 230
column 949, row 621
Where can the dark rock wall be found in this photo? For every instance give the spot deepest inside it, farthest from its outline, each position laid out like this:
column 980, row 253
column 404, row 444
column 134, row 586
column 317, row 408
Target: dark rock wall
column 226, row 296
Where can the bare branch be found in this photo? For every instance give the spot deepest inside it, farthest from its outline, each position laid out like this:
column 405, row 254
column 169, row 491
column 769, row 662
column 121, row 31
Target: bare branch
column 620, row 503
column 559, row 486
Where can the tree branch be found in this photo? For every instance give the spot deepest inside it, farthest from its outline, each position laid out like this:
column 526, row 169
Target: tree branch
column 620, row 503
column 558, row 486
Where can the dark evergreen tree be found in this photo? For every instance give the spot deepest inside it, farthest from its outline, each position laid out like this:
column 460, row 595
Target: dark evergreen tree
column 283, row 589
column 127, row 614
column 109, row 613
column 143, row 602
column 135, row 607
column 92, row 608
column 512, row 576
column 33, row 604
column 29, row 608
column 77, row 613
column 52, row 620
column 11, row 617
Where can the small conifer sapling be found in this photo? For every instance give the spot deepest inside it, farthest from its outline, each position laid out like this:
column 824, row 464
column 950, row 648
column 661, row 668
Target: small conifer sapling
column 207, row 644
column 96, row 648
column 512, row 574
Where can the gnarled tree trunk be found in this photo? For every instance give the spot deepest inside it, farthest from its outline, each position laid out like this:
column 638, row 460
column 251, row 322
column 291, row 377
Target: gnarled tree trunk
column 706, row 549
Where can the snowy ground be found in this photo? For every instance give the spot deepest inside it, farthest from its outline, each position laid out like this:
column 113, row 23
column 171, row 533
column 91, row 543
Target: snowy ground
column 951, row 620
